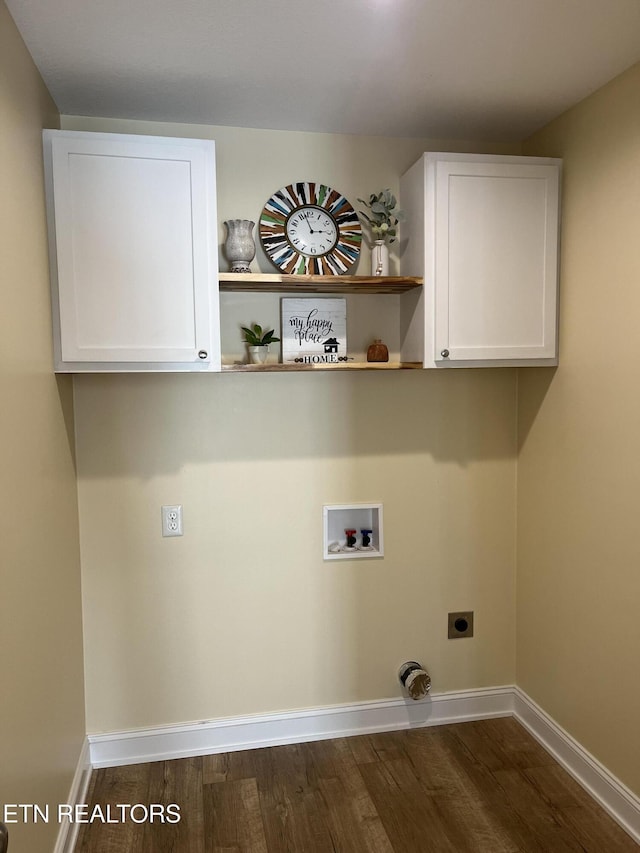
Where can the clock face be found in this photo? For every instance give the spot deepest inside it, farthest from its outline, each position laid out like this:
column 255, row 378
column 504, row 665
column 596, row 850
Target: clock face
column 310, row 229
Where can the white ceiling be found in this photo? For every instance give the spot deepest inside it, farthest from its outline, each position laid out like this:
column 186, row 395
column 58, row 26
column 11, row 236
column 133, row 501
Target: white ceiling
column 466, row 69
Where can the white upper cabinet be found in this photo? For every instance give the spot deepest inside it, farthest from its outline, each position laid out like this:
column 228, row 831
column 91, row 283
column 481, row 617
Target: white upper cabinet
column 133, row 233
column 483, row 231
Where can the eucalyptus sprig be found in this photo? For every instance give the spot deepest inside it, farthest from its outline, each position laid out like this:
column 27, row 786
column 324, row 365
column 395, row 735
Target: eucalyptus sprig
column 383, row 216
column 256, row 337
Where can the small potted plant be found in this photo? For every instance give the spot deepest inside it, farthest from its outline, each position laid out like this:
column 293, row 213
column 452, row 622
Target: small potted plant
column 258, row 342
column 382, row 218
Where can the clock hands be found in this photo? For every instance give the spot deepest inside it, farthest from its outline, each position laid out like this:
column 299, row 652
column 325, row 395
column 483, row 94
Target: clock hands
column 315, row 230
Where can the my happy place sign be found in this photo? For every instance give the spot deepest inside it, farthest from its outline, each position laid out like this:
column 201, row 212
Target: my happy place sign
column 314, row 331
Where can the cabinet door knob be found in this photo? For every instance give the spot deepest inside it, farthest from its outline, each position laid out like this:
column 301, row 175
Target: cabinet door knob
column 202, row 353
column 445, row 353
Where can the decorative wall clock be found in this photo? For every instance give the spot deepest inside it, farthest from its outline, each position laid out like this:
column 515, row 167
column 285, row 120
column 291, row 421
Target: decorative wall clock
column 309, row 228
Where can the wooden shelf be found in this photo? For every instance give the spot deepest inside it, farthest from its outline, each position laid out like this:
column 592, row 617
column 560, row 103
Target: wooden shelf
column 282, row 283
column 292, row 368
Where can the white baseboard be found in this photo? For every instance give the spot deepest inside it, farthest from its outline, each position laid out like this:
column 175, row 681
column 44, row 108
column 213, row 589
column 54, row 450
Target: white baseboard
column 234, row 733
column 68, row 831
column 611, row 794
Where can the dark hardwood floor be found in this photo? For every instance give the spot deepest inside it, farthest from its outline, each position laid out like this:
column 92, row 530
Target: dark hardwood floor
column 481, row 787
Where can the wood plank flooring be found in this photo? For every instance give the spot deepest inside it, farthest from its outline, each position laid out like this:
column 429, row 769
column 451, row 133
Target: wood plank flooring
column 479, row 787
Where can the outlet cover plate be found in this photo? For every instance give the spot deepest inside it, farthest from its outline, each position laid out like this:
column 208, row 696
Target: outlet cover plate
column 172, row 520
column 460, row 624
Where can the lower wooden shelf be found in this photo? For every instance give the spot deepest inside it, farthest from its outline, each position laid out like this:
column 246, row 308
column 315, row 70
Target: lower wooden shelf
column 293, row 368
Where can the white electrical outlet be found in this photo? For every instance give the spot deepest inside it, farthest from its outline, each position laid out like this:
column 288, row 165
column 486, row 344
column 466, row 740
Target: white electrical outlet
column 172, row 520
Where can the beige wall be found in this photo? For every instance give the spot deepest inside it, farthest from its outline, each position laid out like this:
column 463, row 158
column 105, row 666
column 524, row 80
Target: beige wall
column 578, row 639
column 42, row 706
column 241, row 615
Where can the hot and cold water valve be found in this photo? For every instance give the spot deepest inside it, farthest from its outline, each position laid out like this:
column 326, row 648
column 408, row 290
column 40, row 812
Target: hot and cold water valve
column 353, row 542
column 352, row 531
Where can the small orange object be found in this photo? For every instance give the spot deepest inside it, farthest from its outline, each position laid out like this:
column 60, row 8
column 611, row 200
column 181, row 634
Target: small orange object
column 378, row 351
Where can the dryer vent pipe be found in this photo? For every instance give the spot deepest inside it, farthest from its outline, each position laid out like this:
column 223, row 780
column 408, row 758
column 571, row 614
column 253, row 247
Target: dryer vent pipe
column 415, row 679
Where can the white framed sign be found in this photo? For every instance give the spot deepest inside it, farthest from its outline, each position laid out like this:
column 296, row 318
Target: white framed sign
column 314, row 330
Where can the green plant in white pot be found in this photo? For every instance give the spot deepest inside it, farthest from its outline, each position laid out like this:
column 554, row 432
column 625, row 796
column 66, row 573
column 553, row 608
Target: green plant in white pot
column 258, row 342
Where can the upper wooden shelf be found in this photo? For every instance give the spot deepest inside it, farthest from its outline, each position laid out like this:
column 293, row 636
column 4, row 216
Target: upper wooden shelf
column 282, row 283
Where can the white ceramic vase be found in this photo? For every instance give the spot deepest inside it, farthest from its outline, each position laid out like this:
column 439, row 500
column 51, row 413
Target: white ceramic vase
column 258, row 355
column 379, row 258
column 240, row 247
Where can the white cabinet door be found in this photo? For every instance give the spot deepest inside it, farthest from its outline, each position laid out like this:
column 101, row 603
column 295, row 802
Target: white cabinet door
column 133, row 252
column 489, row 251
